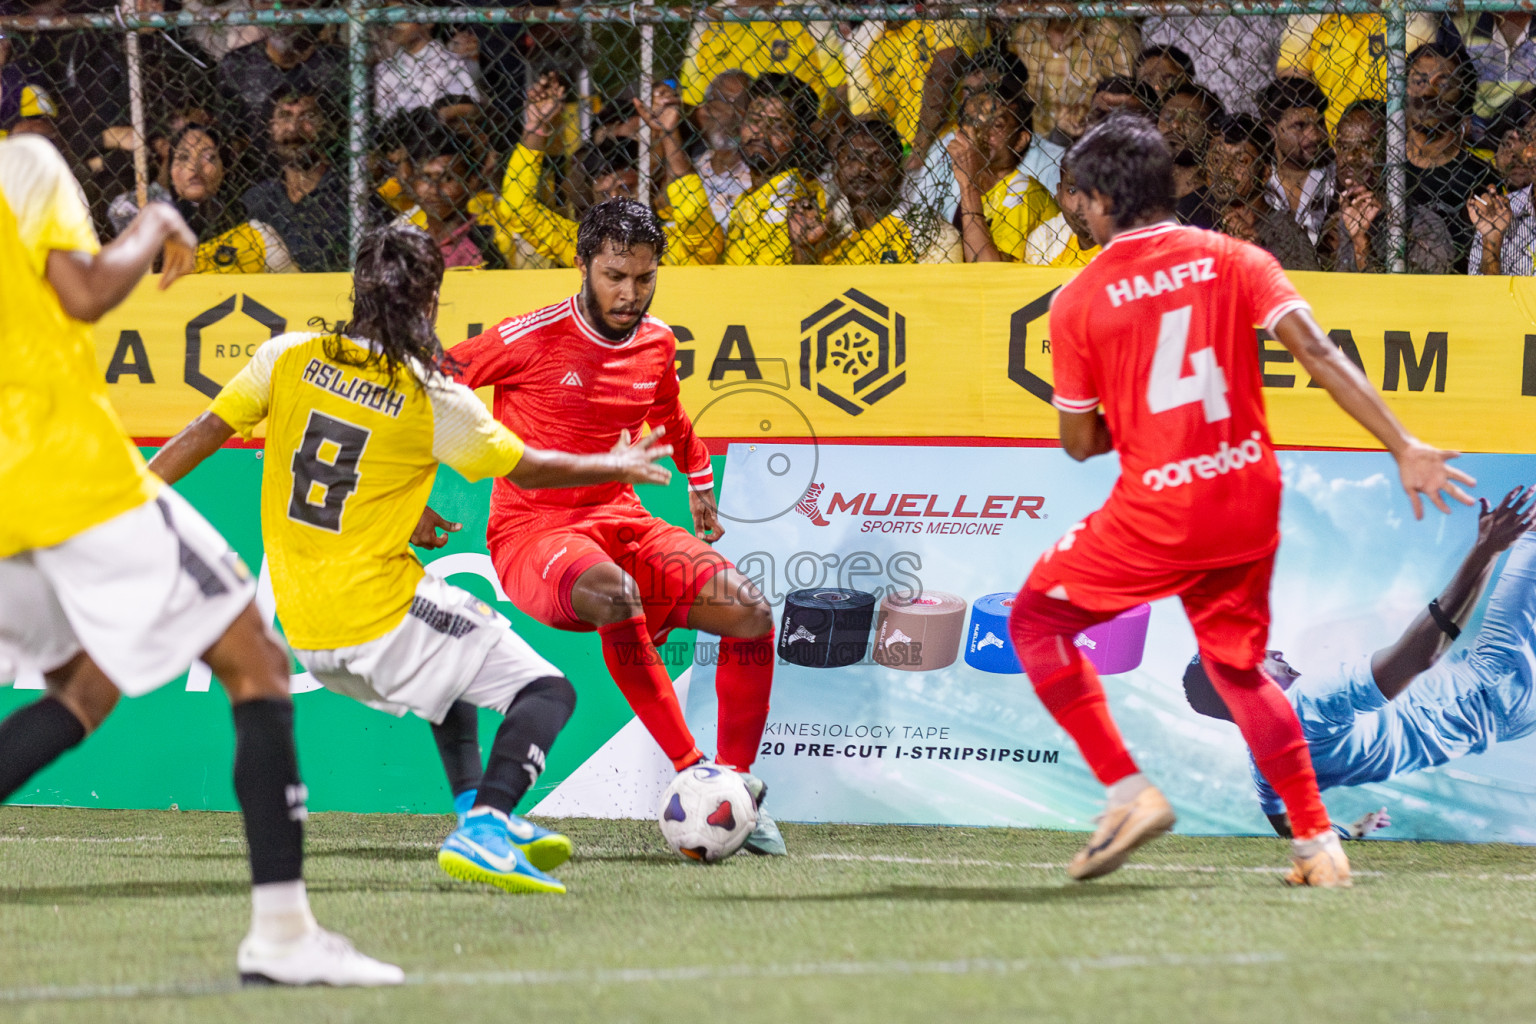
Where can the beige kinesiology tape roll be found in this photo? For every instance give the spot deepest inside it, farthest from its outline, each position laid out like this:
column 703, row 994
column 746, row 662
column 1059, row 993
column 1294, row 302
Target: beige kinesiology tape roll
column 919, row 631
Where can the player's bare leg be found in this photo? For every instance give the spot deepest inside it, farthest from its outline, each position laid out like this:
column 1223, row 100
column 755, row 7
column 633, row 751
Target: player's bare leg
column 732, row 608
column 1069, row 687
column 607, row 597
column 79, row 699
column 285, row 944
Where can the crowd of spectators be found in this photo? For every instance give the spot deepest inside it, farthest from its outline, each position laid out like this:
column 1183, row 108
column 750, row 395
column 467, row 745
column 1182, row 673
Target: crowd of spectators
column 780, row 142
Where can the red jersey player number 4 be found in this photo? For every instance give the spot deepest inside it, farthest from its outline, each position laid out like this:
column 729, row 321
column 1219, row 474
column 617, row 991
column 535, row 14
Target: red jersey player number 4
column 1157, row 332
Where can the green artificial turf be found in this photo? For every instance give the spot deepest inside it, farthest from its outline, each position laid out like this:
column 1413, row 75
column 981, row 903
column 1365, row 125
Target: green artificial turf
column 860, row 923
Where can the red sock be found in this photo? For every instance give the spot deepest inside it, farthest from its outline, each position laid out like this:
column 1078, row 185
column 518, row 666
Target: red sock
column 636, row 666
column 1273, row 733
column 743, row 677
column 1067, row 683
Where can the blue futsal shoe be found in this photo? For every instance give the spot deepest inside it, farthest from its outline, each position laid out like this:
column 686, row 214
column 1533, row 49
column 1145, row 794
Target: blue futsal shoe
column 483, row 851
column 766, row 840
column 544, row 849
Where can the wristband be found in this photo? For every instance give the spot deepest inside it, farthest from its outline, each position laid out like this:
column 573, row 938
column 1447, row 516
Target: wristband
column 1448, row 627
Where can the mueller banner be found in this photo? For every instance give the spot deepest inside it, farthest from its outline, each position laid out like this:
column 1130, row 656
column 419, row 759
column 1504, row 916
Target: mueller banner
column 958, row 352
column 898, row 697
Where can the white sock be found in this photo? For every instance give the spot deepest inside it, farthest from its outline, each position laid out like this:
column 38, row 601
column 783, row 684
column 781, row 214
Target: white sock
column 280, row 911
column 1128, row 789
column 485, row 809
column 1315, row 845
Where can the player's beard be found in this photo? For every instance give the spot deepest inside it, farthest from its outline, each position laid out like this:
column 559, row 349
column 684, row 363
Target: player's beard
column 597, row 321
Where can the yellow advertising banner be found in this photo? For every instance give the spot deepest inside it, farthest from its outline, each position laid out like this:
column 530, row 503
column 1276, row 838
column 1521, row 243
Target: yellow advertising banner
column 958, row 352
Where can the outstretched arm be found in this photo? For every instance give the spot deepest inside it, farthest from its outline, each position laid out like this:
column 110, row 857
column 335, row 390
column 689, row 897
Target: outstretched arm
column 625, row 463
column 1422, row 644
column 187, row 450
column 1423, row 469
column 90, row 285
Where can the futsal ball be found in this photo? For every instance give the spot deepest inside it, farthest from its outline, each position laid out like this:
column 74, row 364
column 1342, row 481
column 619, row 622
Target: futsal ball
column 706, row 813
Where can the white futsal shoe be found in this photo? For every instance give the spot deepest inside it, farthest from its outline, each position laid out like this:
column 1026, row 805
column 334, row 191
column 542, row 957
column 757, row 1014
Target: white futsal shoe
column 318, row 957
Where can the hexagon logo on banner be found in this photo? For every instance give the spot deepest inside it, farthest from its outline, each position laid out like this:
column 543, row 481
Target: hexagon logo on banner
column 853, row 351
column 194, row 375
column 1018, row 348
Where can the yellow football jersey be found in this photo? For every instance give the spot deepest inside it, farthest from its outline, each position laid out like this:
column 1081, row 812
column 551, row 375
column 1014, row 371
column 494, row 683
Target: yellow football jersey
column 761, row 47
column 693, row 241
column 1055, row 244
column 889, row 79
column 1015, row 206
column 759, row 229
column 66, row 463
column 1345, row 54
column 350, row 461
column 249, row 248
column 888, row 240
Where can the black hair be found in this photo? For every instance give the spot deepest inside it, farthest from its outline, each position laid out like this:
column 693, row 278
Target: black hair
column 1125, row 159
column 1375, row 108
column 1214, row 111
column 797, row 96
column 1003, row 61
column 614, row 156
column 1016, row 101
column 395, row 281
column 1239, row 128
column 1172, row 53
column 438, row 141
column 878, row 129
column 1125, row 85
column 1289, row 93
column 404, row 129
column 1514, row 116
column 1463, row 73
column 1202, row 696
column 623, row 221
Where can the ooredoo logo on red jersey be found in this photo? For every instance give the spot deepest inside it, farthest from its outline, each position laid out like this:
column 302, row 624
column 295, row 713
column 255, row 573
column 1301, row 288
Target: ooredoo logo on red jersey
column 1224, row 460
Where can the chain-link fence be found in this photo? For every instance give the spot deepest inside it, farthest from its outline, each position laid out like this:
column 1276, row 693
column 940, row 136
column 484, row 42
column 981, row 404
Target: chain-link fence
column 1340, row 136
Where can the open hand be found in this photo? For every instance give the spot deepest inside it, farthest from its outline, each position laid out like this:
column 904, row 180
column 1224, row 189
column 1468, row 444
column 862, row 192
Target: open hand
column 636, row 462
column 1426, row 471
column 543, row 105
column 1499, row 527
column 1372, row 822
column 425, row 535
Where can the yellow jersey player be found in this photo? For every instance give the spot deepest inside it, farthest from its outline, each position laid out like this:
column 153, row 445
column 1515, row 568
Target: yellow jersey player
column 109, row 582
column 357, row 423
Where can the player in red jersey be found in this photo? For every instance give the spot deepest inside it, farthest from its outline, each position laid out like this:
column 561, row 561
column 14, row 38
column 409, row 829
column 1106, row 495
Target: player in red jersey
column 583, row 374
column 1158, row 330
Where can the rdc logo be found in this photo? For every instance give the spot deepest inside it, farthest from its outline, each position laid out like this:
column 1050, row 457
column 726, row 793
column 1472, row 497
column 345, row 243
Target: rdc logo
column 853, row 351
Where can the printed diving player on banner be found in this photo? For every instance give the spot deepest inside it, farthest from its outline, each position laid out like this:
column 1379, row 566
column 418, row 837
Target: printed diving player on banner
column 1410, row 706
column 582, row 375
column 1158, row 329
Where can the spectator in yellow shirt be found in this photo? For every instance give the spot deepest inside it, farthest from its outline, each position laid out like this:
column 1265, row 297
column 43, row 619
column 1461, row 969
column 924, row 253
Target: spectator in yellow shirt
column 1000, row 206
column 1064, row 240
column 1345, row 54
column 1066, row 58
column 866, row 171
column 459, row 217
column 613, row 170
column 775, row 133
column 810, row 53
column 908, row 74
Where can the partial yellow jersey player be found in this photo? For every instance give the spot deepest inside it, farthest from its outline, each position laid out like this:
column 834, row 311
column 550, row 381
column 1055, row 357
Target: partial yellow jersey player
column 109, row 582
column 357, row 424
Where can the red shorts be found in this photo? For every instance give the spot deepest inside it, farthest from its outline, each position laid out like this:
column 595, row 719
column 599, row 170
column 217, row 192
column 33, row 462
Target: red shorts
column 539, row 559
column 1227, row 606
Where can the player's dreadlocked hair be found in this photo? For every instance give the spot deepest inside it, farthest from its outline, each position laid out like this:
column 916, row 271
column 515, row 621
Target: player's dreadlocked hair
column 1125, row 159
column 624, row 222
column 1202, row 696
column 394, row 298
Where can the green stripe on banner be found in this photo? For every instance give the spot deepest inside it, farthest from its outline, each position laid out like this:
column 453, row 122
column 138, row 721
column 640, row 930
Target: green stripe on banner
column 174, row 748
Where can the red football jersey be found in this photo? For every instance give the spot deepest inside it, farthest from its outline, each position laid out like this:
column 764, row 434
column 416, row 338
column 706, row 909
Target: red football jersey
column 562, row 386
column 1159, row 330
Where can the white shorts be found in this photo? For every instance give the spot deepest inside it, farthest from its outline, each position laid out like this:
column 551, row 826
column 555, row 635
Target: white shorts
column 144, row 594
column 450, row 646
